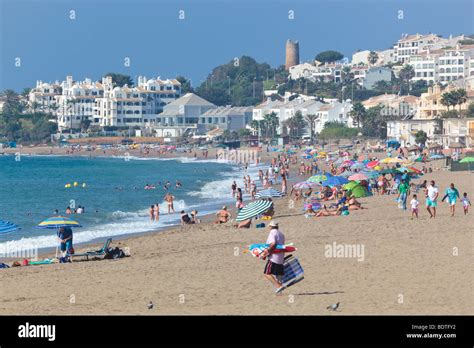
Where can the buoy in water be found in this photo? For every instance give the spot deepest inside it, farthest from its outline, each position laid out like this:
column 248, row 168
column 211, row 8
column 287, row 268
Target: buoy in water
column 67, row 185
column 75, row 183
column 83, row 184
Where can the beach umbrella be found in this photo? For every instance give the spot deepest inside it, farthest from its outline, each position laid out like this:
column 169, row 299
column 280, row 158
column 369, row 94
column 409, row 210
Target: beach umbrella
column 436, row 156
column 372, row 164
column 414, row 170
column 358, row 177
column 388, row 171
column 6, row 226
column 335, row 181
column 317, row 178
column 253, row 209
column 467, row 160
column 350, row 185
column 270, row 192
column 57, row 222
column 358, row 191
column 357, row 165
column 303, row 185
column 392, row 160
column 370, row 175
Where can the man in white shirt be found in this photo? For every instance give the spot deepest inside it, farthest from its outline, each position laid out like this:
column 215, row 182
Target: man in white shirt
column 274, row 267
column 432, row 193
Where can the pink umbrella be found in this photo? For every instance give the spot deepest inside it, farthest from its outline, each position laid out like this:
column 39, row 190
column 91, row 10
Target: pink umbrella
column 357, row 177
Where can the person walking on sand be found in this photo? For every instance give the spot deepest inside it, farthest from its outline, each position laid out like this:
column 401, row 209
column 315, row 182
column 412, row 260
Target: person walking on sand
column 274, row 269
column 432, row 193
column 169, row 198
column 466, row 203
column 234, row 188
column 403, row 192
column 414, row 203
column 156, row 212
column 451, row 194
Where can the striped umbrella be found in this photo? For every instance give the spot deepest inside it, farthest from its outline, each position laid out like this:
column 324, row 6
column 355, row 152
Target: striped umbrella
column 58, row 222
column 271, row 192
column 303, row 185
column 253, row 209
column 6, row 226
column 358, row 177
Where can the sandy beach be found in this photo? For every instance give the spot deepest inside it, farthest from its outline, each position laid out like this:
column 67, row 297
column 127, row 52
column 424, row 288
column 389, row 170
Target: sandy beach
column 419, row 266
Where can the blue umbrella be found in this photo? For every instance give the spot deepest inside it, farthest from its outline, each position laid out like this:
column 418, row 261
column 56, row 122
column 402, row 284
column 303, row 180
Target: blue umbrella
column 6, row 226
column 335, row 181
column 358, row 165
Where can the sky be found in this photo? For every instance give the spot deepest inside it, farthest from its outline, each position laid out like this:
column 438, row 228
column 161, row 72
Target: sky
column 103, row 33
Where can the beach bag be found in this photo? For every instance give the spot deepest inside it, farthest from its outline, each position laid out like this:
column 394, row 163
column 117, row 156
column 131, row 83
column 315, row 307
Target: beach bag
column 25, row 262
column 260, row 225
column 345, row 212
column 64, row 259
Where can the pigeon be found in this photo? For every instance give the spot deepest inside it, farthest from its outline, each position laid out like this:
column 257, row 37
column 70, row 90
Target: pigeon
column 333, row 307
column 150, row 305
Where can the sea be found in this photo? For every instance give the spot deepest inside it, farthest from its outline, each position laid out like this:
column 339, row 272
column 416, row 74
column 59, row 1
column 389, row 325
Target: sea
column 112, row 192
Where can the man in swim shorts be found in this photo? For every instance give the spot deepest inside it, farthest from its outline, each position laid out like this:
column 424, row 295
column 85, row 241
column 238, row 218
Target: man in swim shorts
column 432, row 193
column 274, row 269
column 169, row 198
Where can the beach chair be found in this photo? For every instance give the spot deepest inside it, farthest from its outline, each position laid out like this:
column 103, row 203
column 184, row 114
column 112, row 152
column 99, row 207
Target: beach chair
column 100, row 252
column 293, row 272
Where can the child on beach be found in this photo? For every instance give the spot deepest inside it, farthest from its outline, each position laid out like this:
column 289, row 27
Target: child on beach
column 414, row 203
column 465, row 203
column 156, row 212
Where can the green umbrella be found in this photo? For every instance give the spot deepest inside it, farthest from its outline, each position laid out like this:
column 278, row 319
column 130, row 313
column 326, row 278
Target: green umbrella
column 350, row 185
column 359, row 191
column 467, row 160
column 317, row 178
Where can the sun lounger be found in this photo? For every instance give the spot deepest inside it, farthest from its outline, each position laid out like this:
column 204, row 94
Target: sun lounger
column 100, row 252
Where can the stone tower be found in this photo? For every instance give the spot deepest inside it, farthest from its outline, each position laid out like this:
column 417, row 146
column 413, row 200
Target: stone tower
column 292, row 54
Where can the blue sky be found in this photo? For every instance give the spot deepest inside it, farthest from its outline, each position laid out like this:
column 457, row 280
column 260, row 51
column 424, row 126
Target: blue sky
column 158, row 43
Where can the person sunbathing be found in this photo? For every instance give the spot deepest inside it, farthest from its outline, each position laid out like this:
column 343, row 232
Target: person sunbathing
column 308, row 193
column 354, row 204
column 309, row 211
column 326, row 212
column 244, row 224
column 222, row 216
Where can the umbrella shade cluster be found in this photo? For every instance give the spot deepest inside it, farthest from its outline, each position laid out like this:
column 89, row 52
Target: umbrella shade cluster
column 6, row 226
column 58, row 222
column 317, row 178
column 253, row 209
column 271, row 192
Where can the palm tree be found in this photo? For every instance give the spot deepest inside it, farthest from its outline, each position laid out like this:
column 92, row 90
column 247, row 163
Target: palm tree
column 272, row 122
column 299, row 122
column 373, row 57
column 358, row 113
column 310, row 118
column 406, row 74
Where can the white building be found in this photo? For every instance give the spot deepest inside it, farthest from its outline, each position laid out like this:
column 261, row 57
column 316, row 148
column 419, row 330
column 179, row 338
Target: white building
column 454, row 64
column 334, row 112
column 181, row 116
column 226, row 118
column 44, row 95
column 304, row 70
column 425, row 66
column 102, row 104
column 412, row 45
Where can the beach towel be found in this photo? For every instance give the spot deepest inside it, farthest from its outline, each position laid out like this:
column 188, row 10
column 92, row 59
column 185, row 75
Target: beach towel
column 293, row 272
column 4, row 265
